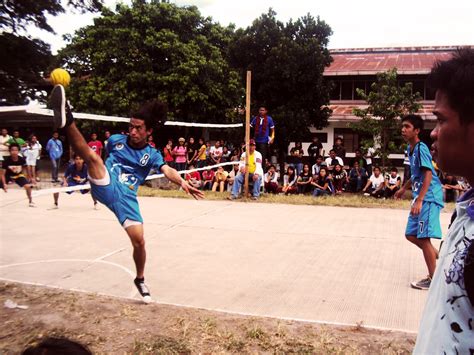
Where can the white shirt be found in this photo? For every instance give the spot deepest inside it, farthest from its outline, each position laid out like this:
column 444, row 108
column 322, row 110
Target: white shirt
column 4, row 148
column 329, row 160
column 376, row 181
column 446, row 326
column 368, row 156
column 258, row 162
column 393, row 180
column 273, row 179
column 215, row 152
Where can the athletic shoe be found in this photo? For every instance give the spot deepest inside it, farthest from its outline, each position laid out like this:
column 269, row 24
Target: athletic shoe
column 31, row 204
column 255, row 198
column 53, row 207
column 423, row 284
column 143, row 289
column 62, row 115
column 366, row 194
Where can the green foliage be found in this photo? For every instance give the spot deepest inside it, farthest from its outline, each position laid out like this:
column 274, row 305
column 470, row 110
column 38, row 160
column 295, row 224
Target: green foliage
column 153, row 50
column 287, row 63
column 387, row 102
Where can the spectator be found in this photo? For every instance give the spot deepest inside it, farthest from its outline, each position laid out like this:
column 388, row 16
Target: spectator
column 168, row 153
column 231, row 177
column 13, row 167
column 215, row 153
column 332, row 160
column 264, row 131
column 321, row 183
column 297, row 157
column 315, row 150
column 193, row 177
column 369, row 155
column 201, row 154
column 271, row 180
column 106, row 140
column 54, row 147
column 32, row 153
column 4, row 138
column 360, row 159
column 207, row 179
column 225, row 155
column 339, row 179
column 150, row 141
column 357, row 178
column 235, row 155
column 220, row 179
column 339, row 148
column 289, row 181
column 375, row 184
column 16, row 139
column 465, row 186
column 75, row 175
column 406, row 168
column 393, row 183
column 317, row 165
column 179, row 154
column 96, row 145
column 255, row 171
column 304, row 180
column 451, row 187
column 192, row 151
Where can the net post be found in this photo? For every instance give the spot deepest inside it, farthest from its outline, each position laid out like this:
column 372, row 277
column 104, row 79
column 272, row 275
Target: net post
column 247, row 132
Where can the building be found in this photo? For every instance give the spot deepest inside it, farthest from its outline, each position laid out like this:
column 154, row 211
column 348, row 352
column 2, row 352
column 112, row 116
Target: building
column 357, row 68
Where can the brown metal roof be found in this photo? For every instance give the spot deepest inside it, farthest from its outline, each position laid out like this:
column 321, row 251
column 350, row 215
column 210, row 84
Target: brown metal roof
column 343, row 112
column 408, row 60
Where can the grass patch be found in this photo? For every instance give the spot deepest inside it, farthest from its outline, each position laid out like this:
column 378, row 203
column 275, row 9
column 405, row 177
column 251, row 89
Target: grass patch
column 161, row 345
column 345, row 200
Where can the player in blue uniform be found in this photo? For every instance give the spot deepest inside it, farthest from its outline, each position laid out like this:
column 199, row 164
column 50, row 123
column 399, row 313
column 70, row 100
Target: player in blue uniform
column 130, row 159
column 423, row 221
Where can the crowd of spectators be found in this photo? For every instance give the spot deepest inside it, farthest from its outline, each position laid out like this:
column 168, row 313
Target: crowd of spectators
column 305, row 173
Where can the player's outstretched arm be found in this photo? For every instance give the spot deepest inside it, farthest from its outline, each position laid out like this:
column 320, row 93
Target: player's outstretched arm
column 173, row 176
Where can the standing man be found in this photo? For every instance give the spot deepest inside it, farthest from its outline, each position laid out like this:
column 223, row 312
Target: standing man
column 315, row 149
column 130, row 160
column 96, row 145
column 264, row 131
column 447, row 324
column 4, row 138
column 423, row 221
column 106, row 140
column 55, row 151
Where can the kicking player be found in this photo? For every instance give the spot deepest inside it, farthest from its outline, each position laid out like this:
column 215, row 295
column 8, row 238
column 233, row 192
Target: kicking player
column 447, row 324
column 130, row 159
column 423, row 221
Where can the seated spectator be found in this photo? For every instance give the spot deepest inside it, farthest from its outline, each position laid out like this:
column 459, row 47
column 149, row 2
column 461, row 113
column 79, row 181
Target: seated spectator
column 75, row 175
column 231, row 177
column 332, row 160
column 225, row 155
column 357, row 178
column 220, row 179
column 339, row 179
column 193, row 177
column 375, row 184
column 360, row 159
column 255, row 171
column 289, row 181
column 451, row 188
column 317, row 165
column 304, row 180
column 296, row 158
column 392, row 183
column 215, row 153
column 271, row 180
column 321, row 183
column 339, row 148
column 207, row 179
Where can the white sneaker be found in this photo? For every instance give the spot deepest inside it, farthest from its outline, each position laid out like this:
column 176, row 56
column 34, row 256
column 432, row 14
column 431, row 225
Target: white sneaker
column 53, row 207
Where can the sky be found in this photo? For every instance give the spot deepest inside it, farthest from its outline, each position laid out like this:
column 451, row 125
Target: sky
column 355, row 24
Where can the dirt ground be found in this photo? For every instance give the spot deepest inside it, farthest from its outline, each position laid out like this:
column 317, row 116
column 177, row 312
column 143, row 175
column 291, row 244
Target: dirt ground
column 111, row 325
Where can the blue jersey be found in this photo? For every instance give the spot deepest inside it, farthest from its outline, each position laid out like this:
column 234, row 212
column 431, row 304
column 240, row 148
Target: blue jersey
column 262, row 136
column 420, row 159
column 130, row 166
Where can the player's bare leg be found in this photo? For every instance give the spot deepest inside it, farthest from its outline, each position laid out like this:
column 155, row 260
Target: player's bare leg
column 136, row 235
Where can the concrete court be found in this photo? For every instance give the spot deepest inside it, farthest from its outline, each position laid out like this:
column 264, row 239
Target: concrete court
column 325, row 264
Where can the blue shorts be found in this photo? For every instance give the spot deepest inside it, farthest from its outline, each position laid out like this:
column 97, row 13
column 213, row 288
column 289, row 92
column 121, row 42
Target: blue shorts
column 426, row 224
column 118, row 197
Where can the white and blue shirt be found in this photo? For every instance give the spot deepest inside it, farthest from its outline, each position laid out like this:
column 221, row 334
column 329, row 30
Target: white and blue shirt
column 131, row 165
column 420, row 159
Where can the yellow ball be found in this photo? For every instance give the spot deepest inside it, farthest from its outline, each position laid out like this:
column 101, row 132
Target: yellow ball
column 60, row 76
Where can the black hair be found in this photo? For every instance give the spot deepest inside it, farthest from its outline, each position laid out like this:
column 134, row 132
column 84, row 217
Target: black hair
column 152, row 112
column 13, row 145
column 332, row 150
column 455, row 78
column 271, row 166
column 415, row 120
column 394, row 169
column 319, row 157
column 77, row 155
column 377, row 167
column 57, row 346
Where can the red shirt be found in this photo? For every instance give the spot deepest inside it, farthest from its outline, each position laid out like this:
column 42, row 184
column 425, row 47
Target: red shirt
column 96, row 147
column 193, row 175
column 208, row 175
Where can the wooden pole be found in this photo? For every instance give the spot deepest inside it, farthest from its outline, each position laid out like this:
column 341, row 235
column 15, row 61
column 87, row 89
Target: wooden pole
column 247, row 132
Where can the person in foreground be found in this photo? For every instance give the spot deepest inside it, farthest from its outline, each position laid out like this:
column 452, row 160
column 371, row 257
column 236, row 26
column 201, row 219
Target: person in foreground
column 423, row 221
column 447, row 323
column 130, row 159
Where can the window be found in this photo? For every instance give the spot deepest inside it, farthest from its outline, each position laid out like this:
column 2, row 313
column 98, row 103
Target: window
column 336, row 91
column 350, row 139
column 346, row 90
column 359, row 85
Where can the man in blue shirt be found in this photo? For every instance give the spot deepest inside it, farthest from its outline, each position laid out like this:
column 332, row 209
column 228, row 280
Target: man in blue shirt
column 55, row 151
column 423, row 221
column 130, row 160
column 264, row 132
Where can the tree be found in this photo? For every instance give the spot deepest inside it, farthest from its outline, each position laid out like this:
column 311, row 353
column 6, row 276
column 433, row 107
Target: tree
column 25, row 60
column 387, row 102
column 287, row 63
column 153, row 50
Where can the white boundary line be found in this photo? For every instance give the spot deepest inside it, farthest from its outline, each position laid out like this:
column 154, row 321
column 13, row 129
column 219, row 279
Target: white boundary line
column 243, row 314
